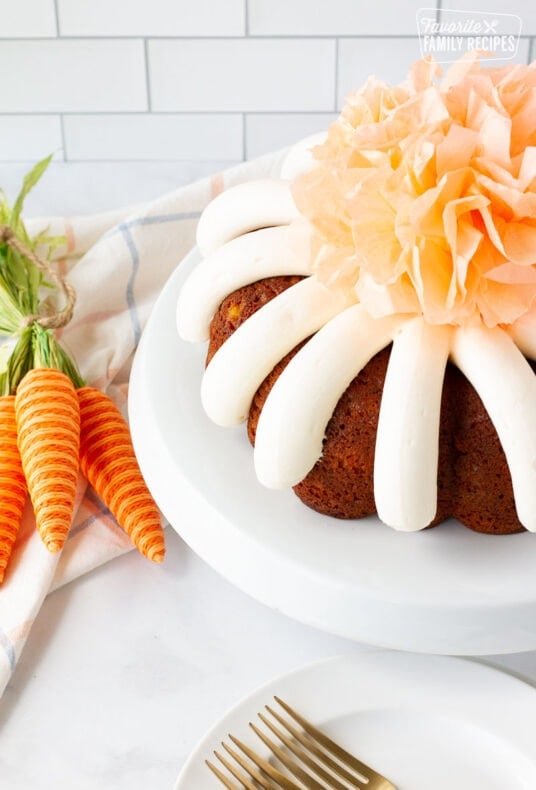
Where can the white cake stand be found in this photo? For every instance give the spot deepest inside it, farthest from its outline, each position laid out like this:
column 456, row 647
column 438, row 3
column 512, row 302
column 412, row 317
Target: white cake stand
column 446, row 590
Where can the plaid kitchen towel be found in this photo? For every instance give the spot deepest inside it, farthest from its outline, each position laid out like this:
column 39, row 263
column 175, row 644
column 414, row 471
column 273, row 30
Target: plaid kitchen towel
column 118, row 263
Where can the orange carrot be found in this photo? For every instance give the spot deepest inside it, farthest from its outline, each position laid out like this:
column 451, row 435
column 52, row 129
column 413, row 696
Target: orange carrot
column 48, row 426
column 108, row 461
column 12, row 483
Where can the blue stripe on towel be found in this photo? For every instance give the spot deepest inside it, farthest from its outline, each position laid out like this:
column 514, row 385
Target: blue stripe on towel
column 157, row 219
column 9, row 649
column 124, row 229
column 102, row 510
column 129, row 294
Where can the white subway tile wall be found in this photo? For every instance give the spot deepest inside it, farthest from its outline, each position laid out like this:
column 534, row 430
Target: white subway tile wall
column 163, row 136
column 72, row 75
column 267, row 131
column 334, row 17
column 242, row 74
column 22, row 18
column 497, row 13
column 204, row 80
column 29, row 137
column 154, row 18
column 386, row 59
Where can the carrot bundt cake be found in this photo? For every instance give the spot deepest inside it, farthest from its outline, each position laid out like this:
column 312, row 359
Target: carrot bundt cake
column 372, row 313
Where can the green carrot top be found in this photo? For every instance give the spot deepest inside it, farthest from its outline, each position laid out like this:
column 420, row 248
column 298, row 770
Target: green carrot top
column 24, row 277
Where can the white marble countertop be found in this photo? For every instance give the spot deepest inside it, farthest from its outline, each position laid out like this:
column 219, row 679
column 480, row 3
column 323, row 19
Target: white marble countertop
column 127, row 667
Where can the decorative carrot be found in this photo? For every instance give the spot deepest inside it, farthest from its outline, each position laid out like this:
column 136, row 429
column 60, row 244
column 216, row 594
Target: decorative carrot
column 12, row 483
column 48, row 398
column 108, row 461
column 48, row 427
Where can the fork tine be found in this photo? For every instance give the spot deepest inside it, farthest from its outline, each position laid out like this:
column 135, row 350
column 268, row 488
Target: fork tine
column 340, row 753
column 308, row 780
column 244, row 781
column 280, row 779
column 305, row 757
column 250, row 769
column 309, row 744
column 221, row 776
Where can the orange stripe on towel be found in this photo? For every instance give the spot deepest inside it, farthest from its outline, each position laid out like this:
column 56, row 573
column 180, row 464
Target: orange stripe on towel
column 20, row 632
column 69, row 235
column 216, row 185
column 94, row 318
column 105, row 378
column 119, row 393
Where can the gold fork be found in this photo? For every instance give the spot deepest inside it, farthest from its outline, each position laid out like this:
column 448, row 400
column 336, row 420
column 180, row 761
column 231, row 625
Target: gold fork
column 309, row 749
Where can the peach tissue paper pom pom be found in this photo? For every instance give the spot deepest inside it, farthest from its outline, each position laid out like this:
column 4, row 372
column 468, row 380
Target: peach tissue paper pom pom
column 423, row 197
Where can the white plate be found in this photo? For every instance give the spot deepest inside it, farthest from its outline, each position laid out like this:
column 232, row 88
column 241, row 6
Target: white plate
column 422, row 721
column 445, row 590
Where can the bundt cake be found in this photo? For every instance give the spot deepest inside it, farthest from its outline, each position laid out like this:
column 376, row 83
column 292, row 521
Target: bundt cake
column 372, row 313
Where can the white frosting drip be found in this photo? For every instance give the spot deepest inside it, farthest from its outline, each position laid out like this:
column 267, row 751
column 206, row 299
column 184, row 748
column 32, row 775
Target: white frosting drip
column 407, row 442
column 246, row 259
column 507, row 386
column 523, row 333
column 299, row 159
column 245, row 207
column 293, row 420
column 245, row 359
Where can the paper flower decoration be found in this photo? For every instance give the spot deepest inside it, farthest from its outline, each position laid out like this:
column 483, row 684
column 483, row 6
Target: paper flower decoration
column 424, row 198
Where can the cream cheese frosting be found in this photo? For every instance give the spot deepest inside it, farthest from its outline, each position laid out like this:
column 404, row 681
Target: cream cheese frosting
column 245, row 207
column 407, row 444
column 260, row 343
column 300, row 157
column 241, row 261
column 523, row 333
column 507, row 386
column 293, row 420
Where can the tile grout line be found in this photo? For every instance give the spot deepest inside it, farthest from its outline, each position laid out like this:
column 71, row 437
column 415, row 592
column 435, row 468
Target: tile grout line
column 107, row 113
column 438, row 11
column 120, row 162
column 244, row 137
column 63, row 138
column 116, row 38
column 260, row 36
column 57, row 18
column 147, row 75
column 246, row 17
column 531, row 49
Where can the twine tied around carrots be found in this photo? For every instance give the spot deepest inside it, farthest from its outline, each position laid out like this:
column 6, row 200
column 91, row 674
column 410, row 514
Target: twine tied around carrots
column 55, row 320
